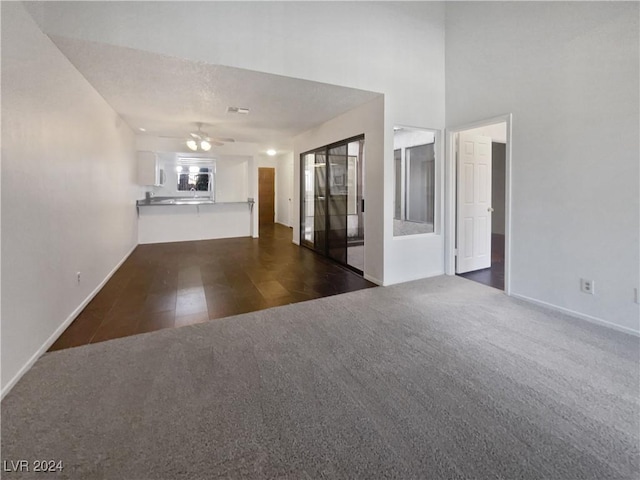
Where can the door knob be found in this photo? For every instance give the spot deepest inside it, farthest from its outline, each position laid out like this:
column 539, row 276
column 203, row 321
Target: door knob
column 489, row 209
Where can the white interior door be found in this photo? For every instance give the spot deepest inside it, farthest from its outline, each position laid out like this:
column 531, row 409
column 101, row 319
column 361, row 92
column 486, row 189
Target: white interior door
column 474, row 203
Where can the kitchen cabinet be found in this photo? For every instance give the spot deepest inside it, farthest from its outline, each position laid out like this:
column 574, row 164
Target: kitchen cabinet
column 150, row 172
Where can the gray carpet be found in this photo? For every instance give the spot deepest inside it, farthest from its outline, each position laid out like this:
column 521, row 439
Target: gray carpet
column 440, row 379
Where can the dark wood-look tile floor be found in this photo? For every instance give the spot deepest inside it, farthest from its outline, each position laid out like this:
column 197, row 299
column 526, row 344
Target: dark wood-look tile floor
column 494, row 275
column 175, row 284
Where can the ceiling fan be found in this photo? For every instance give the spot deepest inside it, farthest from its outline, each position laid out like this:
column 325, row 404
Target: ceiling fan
column 200, row 141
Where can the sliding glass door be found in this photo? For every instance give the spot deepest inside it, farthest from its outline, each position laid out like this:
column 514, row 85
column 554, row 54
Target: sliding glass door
column 337, row 225
column 332, row 220
column 313, row 209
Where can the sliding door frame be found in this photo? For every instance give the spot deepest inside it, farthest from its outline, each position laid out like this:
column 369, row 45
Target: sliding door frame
column 324, row 149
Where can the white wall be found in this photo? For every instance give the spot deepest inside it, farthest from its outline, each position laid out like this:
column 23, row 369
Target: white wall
column 395, row 48
column 68, row 191
column 284, row 189
column 367, row 119
column 569, row 73
column 232, row 179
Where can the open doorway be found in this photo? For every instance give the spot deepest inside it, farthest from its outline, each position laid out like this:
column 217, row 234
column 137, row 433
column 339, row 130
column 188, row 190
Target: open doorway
column 479, row 161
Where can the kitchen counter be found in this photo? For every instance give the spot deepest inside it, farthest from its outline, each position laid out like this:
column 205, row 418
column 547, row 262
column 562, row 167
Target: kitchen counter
column 176, row 219
column 163, row 201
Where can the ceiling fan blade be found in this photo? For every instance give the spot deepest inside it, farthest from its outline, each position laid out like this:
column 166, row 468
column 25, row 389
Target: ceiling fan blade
column 199, row 136
column 213, row 141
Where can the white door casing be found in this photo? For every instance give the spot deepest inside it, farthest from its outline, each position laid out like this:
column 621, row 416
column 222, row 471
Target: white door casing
column 473, row 203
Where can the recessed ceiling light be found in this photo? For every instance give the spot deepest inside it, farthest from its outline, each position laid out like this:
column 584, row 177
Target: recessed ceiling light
column 142, row 129
column 271, row 152
column 240, row 110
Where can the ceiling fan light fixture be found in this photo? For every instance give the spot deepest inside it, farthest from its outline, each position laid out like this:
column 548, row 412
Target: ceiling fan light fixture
column 199, row 141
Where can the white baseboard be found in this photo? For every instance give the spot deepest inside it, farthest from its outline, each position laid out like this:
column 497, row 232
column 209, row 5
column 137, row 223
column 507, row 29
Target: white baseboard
column 581, row 316
column 54, row 336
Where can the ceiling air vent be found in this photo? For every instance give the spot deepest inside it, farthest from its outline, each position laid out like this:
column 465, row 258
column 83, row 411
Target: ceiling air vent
column 240, row 110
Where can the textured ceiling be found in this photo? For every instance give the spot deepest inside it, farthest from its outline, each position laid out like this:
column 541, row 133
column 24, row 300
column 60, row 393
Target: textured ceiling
column 167, row 95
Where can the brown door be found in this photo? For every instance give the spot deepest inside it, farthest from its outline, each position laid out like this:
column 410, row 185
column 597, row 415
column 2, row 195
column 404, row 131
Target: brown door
column 266, row 195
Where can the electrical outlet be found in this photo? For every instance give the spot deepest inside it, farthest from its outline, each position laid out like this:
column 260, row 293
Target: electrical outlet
column 587, row 286
column 78, row 275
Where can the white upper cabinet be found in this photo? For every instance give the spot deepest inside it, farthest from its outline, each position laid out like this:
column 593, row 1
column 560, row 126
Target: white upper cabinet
column 149, row 170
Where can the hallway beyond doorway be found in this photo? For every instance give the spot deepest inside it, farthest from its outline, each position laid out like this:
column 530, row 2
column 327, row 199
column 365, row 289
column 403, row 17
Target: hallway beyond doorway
column 175, row 284
column 494, row 275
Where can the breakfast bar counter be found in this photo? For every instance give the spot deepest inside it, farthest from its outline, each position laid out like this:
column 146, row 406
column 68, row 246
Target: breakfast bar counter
column 177, row 219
